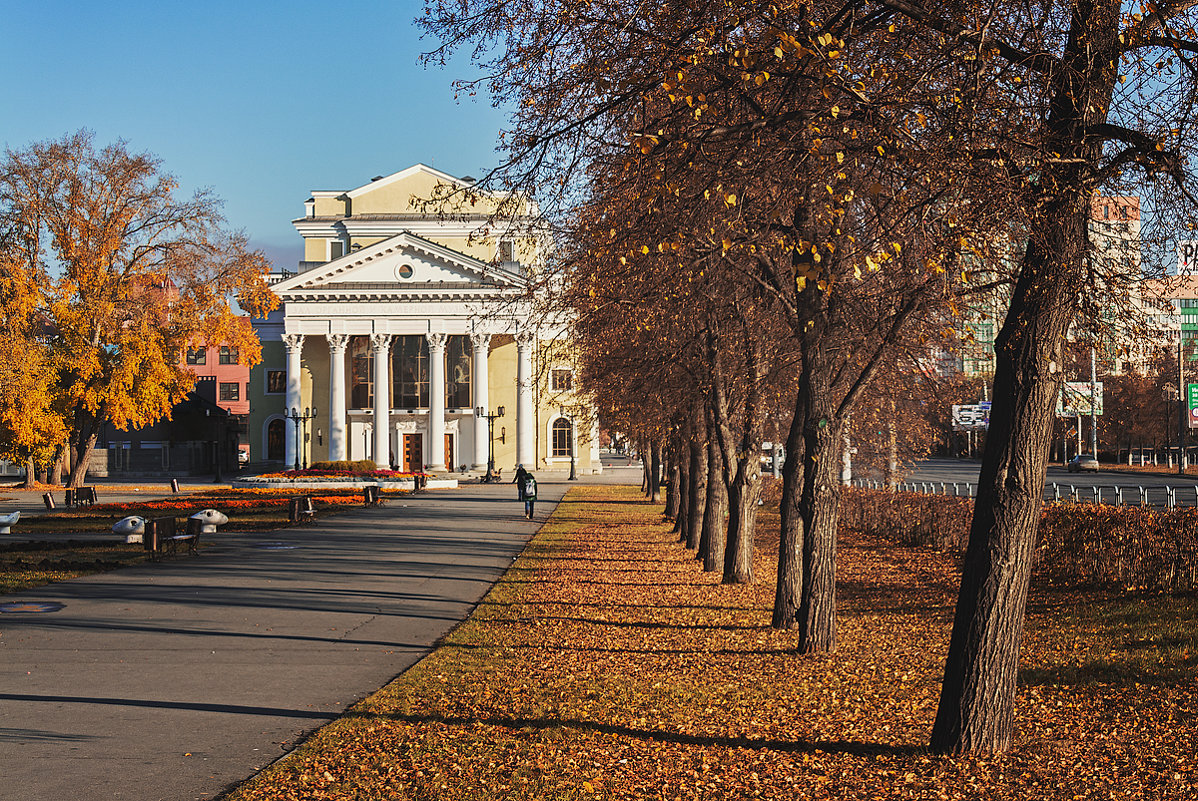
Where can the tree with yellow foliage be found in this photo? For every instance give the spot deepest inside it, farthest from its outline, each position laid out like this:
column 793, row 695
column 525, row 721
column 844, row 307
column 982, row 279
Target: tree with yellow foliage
column 124, row 275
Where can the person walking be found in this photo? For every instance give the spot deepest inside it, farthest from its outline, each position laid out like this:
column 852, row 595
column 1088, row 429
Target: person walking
column 530, row 494
column 519, row 481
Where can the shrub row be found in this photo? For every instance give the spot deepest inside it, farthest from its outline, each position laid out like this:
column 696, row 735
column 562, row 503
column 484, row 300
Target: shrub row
column 1134, row 548
column 360, row 466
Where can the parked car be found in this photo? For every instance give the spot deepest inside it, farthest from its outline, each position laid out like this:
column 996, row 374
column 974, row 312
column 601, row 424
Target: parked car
column 243, row 457
column 1083, row 461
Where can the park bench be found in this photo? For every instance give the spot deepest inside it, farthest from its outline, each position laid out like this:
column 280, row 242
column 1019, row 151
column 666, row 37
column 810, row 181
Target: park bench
column 162, row 536
column 81, row 496
column 301, row 510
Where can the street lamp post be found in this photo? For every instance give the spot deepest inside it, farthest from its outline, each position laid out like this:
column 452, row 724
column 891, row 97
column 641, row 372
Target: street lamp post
column 491, row 418
column 569, row 412
column 297, row 417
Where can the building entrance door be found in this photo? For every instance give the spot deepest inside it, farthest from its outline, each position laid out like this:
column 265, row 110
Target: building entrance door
column 449, row 460
column 413, row 453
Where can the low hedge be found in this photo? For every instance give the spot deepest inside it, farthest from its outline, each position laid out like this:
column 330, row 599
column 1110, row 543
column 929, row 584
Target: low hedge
column 345, row 466
column 1130, row 547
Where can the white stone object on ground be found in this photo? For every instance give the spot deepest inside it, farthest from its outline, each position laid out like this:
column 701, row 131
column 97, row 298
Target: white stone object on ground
column 133, row 528
column 211, row 518
column 6, row 521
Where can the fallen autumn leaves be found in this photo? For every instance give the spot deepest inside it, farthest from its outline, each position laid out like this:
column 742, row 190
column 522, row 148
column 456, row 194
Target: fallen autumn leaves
column 607, row 665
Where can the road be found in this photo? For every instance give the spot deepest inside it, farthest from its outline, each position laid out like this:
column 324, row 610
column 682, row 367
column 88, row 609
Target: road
column 173, row 680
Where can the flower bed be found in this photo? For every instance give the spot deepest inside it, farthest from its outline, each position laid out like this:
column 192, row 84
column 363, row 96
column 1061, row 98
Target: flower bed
column 319, row 474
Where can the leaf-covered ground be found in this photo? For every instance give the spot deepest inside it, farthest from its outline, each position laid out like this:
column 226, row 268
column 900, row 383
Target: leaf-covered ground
column 606, row 664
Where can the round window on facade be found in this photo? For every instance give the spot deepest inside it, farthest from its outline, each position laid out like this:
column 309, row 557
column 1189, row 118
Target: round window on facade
column 404, row 271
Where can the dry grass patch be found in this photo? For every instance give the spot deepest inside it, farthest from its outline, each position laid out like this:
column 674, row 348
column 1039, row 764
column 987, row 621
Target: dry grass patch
column 606, row 664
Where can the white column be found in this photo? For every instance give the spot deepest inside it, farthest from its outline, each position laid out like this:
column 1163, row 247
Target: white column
column 295, row 346
column 380, row 348
column 436, row 401
column 480, row 378
column 525, row 422
column 337, row 438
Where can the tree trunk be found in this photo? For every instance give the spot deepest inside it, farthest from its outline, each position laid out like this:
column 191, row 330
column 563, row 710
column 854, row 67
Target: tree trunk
column 672, row 483
column 60, row 457
column 977, row 700
column 30, row 474
column 743, row 495
column 698, row 490
column 820, row 509
column 714, row 540
column 79, row 468
column 681, row 521
column 789, row 590
column 655, row 473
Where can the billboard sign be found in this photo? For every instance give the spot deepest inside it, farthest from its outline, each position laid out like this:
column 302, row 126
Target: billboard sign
column 1192, row 404
column 971, row 417
column 1074, row 399
column 1187, row 257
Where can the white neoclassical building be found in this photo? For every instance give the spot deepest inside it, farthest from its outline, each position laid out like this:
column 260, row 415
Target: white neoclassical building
column 404, row 334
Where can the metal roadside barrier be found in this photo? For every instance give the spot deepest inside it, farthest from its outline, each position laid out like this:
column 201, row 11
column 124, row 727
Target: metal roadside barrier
column 1167, row 496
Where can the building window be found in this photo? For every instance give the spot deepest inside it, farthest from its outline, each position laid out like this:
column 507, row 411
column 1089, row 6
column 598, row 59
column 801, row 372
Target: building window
column 507, row 250
column 228, row 355
column 276, row 382
column 197, row 355
column 361, row 371
column 561, row 380
column 563, row 442
column 336, row 249
column 409, row 372
column 230, row 391
column 457, row 372
column 274, row 440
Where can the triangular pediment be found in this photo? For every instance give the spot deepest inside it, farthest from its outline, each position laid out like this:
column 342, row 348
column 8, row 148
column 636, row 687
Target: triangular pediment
column 401, row 264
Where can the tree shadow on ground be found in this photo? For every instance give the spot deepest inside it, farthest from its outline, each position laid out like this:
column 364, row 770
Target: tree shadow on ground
column 655, row 735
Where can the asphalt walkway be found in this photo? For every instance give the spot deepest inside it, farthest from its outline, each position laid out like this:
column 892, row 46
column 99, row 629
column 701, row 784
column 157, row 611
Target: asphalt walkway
column 178, row 679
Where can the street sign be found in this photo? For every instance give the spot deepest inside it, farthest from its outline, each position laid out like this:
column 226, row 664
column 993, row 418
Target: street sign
column 1187, row 257
column 1192, row 404
column 1074, row 399
column 971, row 417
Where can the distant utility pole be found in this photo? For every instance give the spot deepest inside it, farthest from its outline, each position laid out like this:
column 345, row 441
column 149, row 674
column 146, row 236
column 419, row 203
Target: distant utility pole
column 1181, row 407
column 1093, row 402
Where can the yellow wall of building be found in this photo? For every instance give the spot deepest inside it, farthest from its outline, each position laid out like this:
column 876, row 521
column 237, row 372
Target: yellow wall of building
column 316, row 249
column 329, row 207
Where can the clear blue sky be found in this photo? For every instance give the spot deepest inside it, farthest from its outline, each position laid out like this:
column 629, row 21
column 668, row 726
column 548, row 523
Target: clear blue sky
column 261, row 101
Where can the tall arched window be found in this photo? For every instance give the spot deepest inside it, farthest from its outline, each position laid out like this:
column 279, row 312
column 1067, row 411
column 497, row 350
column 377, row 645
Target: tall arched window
column 275, row 431
column 563, row 441
column 409, row 372
column 457, row 372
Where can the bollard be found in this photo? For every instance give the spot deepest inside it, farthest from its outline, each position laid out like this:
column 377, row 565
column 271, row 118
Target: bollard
column 48, row 499
column 175, row 485
column 956, row 490
column 1073, row 493
column 1170, row 498
column 1143, row 496
column 1056, row 492
column 1097, row 491
column 1119, row 496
